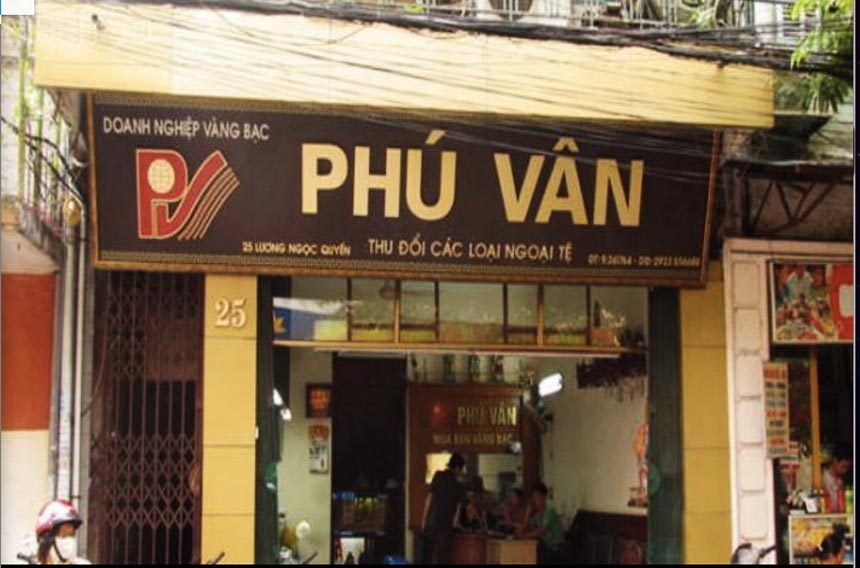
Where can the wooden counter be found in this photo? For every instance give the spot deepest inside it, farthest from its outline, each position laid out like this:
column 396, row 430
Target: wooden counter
column 502, row 551
column 468, row 548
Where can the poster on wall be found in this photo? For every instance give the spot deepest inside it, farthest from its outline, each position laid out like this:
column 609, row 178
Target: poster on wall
column 318, row 400
column 805, row 533
column 318, row 448
column 812, row 303
column 776, row 410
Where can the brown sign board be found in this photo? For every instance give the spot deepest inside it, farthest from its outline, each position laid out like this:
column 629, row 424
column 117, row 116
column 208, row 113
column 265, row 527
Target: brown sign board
column 204, row 185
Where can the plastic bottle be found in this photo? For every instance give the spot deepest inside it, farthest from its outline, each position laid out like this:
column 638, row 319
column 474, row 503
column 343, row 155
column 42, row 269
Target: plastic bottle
column 825, row 506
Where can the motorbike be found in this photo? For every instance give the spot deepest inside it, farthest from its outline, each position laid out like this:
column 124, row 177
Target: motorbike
column 748, row 554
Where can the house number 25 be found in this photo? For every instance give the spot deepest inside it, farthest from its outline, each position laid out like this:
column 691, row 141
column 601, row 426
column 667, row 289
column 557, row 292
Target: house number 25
column 231, row 313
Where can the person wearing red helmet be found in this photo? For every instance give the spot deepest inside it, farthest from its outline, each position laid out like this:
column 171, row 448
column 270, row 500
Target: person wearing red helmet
column 56, row 530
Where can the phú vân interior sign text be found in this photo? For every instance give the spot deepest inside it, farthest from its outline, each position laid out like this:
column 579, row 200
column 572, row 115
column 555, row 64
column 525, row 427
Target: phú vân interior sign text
column 480, row 425
column 181, row 185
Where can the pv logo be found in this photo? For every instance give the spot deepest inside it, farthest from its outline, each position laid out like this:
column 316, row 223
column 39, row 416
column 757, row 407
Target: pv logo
column 168, row 205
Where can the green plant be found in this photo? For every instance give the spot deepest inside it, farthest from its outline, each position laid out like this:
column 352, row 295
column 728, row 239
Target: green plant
column 815, row 92
column 828, row 45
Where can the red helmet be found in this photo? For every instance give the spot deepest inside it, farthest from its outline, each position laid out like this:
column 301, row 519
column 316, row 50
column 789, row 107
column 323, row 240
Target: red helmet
column 56, row 513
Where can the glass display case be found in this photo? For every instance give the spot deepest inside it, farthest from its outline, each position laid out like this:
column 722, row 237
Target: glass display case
column 452, row 315
column 566, row 319
column 357, row 515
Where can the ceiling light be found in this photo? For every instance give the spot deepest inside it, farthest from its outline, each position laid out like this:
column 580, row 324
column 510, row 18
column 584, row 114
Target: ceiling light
column 550, row 385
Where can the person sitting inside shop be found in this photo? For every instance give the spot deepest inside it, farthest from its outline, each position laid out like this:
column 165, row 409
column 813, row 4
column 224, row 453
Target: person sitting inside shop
column 546, row 526
column 832, row 548
column 473, row 519
column 515, row 512
column 833, row 476
column 485, row 502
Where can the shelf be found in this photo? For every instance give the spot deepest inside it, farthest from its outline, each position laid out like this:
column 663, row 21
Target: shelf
column 358, row 534
column 352, row 495
column 474, row 348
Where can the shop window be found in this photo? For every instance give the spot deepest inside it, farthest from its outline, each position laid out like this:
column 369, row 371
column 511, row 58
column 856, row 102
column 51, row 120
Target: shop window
column 471, row 313
column 372, row 315
column 499, row 473
column 619, row 316
column 522, row 304
column 495, row 474
column 418, row 311
column 316, row 311
column 566, row 319
column 439, row 315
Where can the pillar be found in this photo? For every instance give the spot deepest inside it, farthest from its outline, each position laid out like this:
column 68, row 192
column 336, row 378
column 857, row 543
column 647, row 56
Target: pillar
column 229, row 418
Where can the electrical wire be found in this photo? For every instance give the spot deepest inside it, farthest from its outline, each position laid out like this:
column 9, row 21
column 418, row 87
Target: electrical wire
column 329, row 60
column 33, row 143
column 363, row 13
column 404, row 64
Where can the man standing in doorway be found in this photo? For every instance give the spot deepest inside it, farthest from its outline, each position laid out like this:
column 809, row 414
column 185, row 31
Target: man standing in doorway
column 546, row 526
column 441, row 509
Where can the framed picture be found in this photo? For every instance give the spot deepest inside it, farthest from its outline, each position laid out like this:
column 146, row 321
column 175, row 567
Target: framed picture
column 811, row 303
column 318, row 400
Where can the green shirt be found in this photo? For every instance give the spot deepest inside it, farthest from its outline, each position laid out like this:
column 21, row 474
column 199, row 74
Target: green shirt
column 553, row 536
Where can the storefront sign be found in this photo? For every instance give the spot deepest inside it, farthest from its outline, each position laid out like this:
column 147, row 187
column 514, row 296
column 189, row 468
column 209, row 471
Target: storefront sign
column 188, row 185
column 776, row 410
column 812, row 303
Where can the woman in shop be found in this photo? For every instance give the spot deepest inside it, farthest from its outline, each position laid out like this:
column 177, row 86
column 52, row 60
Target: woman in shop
column 473, row 518
column 515, row 512
column 485, row 503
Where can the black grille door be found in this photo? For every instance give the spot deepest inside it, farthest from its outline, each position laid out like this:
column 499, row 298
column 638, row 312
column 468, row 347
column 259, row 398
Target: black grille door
column 146, row 405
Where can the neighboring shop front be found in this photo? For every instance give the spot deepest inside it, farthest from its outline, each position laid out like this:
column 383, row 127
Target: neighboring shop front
column 790, row 321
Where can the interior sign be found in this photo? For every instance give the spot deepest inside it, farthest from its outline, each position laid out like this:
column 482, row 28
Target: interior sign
column 263, row 188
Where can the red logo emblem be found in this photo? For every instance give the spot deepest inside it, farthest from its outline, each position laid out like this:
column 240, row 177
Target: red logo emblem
column 168, row 205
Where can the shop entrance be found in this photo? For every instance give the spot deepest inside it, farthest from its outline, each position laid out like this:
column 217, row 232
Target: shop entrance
column 418, row 371
column 368, row 459
column 821, row 397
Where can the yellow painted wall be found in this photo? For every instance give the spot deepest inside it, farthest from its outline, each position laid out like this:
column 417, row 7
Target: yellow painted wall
column 300, row 492
column 229, row 419
column 190, row 50
column 707, row 503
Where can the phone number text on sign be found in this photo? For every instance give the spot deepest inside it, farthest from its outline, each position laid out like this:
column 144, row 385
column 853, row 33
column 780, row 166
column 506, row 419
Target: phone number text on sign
column 644, row 261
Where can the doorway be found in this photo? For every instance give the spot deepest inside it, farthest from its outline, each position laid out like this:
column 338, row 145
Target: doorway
column 146, row 446
column 368, row 458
